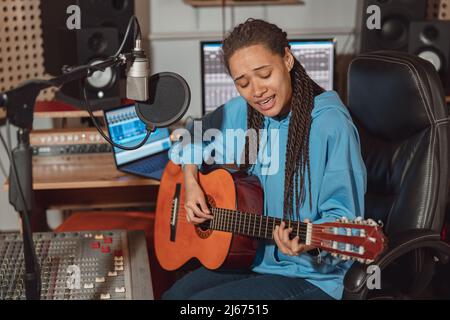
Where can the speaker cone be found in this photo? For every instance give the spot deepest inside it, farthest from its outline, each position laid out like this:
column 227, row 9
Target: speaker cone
column 394, row 32
column 429, row 34
column 101, row 80
column 432, row 57
column 97, row 43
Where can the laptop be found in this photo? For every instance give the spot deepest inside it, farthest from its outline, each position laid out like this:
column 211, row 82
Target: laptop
column 125, row 128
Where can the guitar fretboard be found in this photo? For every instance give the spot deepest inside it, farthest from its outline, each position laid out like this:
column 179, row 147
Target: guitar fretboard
column 252, row 225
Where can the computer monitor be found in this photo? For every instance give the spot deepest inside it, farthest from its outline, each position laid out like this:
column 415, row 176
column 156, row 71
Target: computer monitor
column 316, row 55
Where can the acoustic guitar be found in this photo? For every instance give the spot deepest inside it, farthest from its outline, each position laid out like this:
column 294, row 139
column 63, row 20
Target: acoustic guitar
column 230, row 238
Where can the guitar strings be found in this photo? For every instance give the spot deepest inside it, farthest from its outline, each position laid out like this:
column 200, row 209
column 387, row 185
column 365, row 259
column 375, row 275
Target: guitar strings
column 315, row 240
column 227, row 221
column 228, row 227
column 229, row 224
column 226, row 218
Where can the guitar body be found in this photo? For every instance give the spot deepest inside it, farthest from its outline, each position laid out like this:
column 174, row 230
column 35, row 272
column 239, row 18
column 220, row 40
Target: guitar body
column 177, row 241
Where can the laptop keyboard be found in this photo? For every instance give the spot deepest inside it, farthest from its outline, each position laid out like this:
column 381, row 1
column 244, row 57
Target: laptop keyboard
column 149, row 165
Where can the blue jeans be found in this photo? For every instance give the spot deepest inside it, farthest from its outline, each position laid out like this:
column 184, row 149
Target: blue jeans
column 204, row 284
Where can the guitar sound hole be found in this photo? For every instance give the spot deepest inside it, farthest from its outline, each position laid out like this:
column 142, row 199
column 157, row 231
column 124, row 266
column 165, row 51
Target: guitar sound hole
column 203, row 230
column 204, row 227
column 203, row 233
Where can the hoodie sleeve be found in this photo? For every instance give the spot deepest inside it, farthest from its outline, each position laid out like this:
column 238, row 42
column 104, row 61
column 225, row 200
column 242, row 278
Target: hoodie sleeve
column 343, row 186
column 204, row 141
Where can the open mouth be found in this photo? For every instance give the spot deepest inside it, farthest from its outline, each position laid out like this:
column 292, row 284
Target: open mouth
column 268, row 103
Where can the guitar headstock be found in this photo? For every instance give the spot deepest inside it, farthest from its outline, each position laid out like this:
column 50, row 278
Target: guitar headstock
column 360, row 240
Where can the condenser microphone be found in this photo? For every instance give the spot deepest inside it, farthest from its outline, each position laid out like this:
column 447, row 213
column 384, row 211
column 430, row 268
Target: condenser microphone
column 137, row 76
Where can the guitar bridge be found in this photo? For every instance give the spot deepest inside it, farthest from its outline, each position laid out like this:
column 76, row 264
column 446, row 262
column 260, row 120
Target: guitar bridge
column 174, row 214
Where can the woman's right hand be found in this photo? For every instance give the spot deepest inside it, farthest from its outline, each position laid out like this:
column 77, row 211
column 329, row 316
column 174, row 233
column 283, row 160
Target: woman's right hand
column 195, row 203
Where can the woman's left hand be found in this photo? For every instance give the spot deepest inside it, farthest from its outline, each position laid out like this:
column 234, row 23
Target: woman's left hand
column 287, row 246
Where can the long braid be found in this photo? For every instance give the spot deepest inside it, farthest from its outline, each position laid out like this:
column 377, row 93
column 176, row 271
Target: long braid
column 297, row 148
column 255, row 121
column 297, row 165
column 302, row 103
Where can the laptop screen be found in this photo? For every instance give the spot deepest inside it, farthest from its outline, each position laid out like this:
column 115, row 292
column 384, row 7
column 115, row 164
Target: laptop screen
column 125, row 128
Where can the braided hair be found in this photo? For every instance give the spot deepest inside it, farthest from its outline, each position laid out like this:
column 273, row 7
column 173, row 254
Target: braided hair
column 304, row 89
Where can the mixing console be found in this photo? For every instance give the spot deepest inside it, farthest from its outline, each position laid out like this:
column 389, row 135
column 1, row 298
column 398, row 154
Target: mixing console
column 103, row 265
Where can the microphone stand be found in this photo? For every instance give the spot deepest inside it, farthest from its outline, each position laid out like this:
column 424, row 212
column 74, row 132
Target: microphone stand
column 19, row 103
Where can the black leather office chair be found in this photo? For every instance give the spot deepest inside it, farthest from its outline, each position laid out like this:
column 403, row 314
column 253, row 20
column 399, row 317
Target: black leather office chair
column 398, row 104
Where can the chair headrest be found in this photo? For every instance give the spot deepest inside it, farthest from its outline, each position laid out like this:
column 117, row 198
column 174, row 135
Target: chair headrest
column 395, row 94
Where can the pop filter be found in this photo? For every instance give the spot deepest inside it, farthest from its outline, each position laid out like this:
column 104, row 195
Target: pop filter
column 169, row 100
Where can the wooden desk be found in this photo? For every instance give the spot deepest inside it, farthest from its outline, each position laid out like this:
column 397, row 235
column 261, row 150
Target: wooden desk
column 82, row 172
column 86, row 182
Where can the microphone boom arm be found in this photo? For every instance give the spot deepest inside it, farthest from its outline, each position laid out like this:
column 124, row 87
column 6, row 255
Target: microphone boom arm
column 20, row 101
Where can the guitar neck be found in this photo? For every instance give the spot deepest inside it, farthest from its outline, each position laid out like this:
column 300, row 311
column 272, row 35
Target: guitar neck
column 253, row 225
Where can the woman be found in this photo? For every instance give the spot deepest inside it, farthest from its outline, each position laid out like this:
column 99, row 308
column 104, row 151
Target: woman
column 319, row 176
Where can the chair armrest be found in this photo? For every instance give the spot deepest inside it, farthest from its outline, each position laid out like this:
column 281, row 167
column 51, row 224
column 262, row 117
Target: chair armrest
column 356, row 277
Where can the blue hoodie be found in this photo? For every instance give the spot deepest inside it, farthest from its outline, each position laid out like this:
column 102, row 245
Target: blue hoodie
column 338, row 179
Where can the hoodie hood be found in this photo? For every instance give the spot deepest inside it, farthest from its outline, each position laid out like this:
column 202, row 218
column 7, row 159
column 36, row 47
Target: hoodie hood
column 329, row 100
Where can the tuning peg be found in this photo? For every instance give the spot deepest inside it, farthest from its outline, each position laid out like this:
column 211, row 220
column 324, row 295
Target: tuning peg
column 371, row 222
column 344, row 219
column 358, row 220
column 361, row 260
column 344, row 257
column 334, row 254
